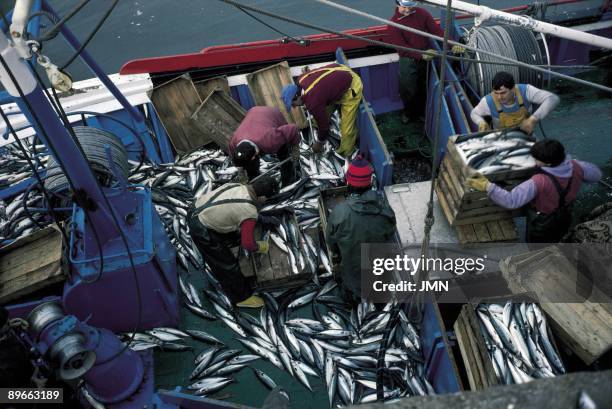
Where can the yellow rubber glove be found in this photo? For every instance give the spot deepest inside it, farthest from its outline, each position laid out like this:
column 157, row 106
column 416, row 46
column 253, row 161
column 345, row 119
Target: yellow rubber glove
column 251, row 302
column 428, row 55
column 483, row 126
column 263, row 247
column 457, row 49
column 478, row 182
column 528, row 125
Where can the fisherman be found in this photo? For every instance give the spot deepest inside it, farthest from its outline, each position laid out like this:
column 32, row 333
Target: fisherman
column 325, row 87
column 413, row 64
column 365, row 217
column 510, row 104
column 222, row 219
column 264, row 130
column 549, row 193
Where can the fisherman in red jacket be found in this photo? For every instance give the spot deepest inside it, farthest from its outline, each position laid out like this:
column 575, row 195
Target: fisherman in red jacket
column 333, row 84
column 413, row 65
column 264, row 130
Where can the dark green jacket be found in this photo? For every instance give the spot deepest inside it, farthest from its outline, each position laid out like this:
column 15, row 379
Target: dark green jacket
column 365, row 218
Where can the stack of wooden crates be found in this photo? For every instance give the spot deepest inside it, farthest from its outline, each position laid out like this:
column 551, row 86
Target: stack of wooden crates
column 473, row 215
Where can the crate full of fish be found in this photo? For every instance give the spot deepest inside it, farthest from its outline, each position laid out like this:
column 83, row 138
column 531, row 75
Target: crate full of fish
column 504, row 344
column 288, row 262
column 502, row 156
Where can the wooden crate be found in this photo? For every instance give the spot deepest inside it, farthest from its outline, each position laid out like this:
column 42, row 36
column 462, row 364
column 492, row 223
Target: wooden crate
column 328, row 200
column 218, row 117
column 206, row 87
column 266, row 86
column 175, row 102
column 30, row 264
column 584, row 327
column 476, row 359
column 273, row 270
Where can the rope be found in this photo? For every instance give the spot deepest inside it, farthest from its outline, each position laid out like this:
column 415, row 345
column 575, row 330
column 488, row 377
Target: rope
column 468, row 47
column 90, row 36
column 402, row 48
column 512, row 42
column 267, row 25
column 415, row 309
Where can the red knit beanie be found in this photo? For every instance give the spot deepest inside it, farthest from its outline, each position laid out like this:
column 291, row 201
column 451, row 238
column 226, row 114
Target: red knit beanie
column 359, row 173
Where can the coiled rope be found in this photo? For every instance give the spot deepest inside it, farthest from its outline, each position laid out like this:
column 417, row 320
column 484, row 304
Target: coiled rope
column 512, row 42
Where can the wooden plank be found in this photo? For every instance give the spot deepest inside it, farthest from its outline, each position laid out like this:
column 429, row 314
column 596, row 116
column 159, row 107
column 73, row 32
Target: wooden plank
column 466, row 234
column 266, row 86
column 483, row 211
column 508, row 229
column 446, row 209
column 455, row 195
column 468, row 354
column 481, row 232
column 22, row 274
column 206, row 87
column 488, row 376
column 495, row 231
column 218, row 117
column 481, row 219
column 448, row 196
column 584, row 327
column 175, row 101
column 448, row 166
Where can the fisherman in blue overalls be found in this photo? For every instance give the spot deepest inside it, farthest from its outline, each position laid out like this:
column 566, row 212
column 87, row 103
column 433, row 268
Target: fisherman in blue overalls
column 509, row 105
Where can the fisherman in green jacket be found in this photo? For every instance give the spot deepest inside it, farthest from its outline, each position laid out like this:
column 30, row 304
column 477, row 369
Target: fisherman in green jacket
column 364, row 217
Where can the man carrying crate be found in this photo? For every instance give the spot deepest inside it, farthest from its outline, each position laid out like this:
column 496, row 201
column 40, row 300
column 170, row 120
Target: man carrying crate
column 549, row 193
column 365, row 217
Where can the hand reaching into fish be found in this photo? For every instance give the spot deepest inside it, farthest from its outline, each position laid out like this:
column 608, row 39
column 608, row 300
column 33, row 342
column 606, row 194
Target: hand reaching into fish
column 528, row 125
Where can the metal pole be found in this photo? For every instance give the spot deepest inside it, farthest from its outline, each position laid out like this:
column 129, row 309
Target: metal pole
column 483, row 13
column 20, row 83
column 141, row 127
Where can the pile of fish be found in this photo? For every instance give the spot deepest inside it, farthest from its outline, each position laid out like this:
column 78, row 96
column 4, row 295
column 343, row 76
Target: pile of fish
column 497, row 151
column 337, row 347
column 16, row 217
column 518, row 341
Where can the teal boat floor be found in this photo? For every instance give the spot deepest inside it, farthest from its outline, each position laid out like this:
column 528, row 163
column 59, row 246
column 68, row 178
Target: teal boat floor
column 172, row 369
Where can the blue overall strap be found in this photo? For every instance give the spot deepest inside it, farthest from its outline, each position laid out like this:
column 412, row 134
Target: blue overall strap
column 523, row 90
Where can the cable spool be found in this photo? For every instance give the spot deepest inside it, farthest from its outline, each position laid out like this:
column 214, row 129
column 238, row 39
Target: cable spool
column 509, row 41
column 93, row 141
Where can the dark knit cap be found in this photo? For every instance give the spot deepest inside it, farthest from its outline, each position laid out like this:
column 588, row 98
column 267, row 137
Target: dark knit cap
column 359, row 173
column 244, row 153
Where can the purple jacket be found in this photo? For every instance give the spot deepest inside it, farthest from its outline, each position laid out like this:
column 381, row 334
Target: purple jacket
column 527, row 191
column 267, row 128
